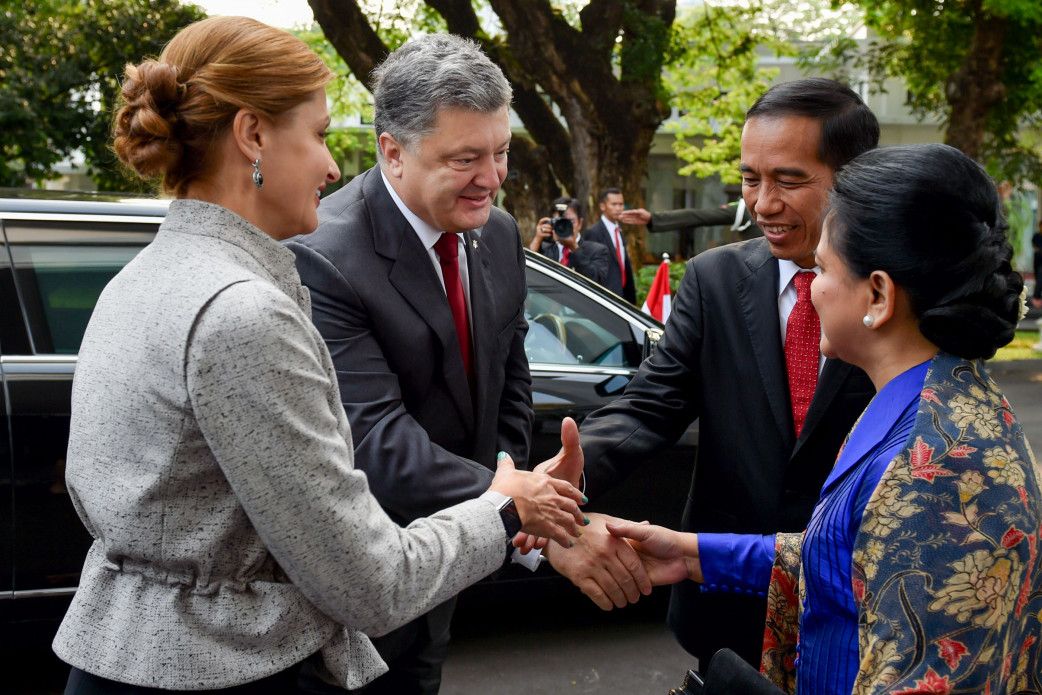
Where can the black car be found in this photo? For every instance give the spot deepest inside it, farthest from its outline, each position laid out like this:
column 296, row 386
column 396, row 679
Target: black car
column 59, row 251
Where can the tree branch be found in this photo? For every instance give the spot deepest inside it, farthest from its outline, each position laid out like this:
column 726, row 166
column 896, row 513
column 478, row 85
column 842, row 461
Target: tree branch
column 460, row 17
column 535, row 113
column 348, row 29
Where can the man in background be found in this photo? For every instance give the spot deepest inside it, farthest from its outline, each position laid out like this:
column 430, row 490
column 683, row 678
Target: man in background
column 559, row 238
column 608, row 231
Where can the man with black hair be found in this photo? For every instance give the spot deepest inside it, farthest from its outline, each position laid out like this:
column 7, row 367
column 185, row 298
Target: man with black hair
column 740, row 354
column 608, row 231
column 569, row 247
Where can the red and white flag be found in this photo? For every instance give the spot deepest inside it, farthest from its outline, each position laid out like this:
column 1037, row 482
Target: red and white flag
column 658, row 302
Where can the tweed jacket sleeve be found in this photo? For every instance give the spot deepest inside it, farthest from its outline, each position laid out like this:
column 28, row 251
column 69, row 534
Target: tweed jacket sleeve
column 255, row 368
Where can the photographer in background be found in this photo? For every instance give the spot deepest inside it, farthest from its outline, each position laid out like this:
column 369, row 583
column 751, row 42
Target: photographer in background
column 557, row 237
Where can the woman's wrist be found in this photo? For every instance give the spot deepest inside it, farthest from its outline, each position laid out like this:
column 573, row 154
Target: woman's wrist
column 691, row 558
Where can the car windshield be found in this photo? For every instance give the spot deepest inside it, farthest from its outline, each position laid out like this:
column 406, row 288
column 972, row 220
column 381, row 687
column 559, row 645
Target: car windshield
column 568, row 328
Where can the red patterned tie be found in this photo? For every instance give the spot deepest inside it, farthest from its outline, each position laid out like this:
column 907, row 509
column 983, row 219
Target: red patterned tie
column 618, row 254
column 802, row 341
column 566, row 254
column 447, row 248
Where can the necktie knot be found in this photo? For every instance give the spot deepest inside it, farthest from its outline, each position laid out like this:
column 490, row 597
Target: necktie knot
column 802, row 282
column 447, row 248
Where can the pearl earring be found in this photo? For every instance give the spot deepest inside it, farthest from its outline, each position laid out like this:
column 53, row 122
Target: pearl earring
column 868, row 321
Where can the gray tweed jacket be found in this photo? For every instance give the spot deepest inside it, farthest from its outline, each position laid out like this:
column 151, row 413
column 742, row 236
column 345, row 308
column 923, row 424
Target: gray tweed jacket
column 210, row 459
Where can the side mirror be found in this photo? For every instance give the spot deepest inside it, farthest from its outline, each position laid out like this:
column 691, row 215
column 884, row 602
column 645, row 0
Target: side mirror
column 651, row 338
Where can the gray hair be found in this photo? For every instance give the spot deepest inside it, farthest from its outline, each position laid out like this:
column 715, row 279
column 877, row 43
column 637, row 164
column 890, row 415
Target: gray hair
column 430, row 73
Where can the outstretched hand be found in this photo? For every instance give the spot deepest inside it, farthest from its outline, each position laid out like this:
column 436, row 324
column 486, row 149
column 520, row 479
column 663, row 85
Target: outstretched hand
column 668, row 556
column 635, row 216
column 547, row 506
column 604, row 568
column 567, row 465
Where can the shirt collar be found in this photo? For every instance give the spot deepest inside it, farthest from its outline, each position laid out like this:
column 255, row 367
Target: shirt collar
column 608, row 224
column 787, row 270
column 428, row 234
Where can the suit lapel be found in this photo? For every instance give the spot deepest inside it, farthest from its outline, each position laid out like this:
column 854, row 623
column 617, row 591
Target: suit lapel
column 758, row 299
column 412, row 274
column 481, row 311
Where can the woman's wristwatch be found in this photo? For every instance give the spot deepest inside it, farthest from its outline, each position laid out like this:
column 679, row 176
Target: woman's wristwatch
column 507, row 512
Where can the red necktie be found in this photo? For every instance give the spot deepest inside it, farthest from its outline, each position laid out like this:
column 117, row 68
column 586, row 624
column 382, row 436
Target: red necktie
column 802, row 341
column 566, row 253
column 618, row 254
column 447, row 248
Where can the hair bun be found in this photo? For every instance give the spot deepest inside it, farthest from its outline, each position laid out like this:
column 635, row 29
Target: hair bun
column 977, row 323
column 145, row 128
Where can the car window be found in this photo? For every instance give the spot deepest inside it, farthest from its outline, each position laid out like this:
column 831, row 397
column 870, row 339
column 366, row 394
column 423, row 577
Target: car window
column 566, row 327
column 61, row 269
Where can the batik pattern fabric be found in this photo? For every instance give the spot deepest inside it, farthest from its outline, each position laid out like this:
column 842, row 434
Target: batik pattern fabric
column 946, row 565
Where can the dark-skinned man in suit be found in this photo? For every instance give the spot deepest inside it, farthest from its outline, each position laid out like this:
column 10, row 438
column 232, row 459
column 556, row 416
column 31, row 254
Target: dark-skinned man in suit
column 607, row 231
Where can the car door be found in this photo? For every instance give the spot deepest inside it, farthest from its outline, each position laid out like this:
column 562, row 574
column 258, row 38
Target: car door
column 584, row 345
column 59, row 264
column 13, row 340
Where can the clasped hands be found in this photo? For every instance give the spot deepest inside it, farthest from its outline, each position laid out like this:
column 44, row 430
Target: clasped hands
column 613, row 561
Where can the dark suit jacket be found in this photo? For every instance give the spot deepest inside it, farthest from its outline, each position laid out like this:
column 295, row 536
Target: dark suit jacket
column 599, row 233
column 721, row 360
column 589, row 258
column 421, row 438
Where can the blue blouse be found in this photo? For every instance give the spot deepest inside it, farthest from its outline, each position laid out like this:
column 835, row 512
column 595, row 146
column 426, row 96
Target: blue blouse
column 828, row 649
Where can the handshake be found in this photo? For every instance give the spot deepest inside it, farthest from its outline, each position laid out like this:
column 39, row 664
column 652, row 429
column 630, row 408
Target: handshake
column 611, row 560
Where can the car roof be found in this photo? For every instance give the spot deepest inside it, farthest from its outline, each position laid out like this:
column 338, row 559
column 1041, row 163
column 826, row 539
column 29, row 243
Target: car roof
column 24, row 200
column 36, row 201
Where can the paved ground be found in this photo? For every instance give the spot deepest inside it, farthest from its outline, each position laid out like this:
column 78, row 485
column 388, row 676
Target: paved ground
column 562, row 644
column 1021, row 381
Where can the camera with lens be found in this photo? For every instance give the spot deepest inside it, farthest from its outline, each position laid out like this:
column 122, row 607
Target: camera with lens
column 562, row 225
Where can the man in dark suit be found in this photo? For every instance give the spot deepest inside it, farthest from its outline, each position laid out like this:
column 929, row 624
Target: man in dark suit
column 608, row 231
column 740, row 354
column 572, row 249
column 418, row 286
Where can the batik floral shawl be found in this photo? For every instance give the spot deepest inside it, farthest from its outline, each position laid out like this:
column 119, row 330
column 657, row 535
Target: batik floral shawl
column 946, row 575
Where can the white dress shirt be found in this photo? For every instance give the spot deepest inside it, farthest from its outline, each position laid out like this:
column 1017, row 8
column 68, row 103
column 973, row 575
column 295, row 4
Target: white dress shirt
column 615, row 241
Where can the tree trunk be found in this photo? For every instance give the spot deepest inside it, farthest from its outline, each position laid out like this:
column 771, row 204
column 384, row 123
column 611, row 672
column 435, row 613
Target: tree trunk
column 526, row 196
column 976, row 87
column 604, row 78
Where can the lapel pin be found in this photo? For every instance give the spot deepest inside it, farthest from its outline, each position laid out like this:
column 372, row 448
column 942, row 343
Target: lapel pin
column 474, row 243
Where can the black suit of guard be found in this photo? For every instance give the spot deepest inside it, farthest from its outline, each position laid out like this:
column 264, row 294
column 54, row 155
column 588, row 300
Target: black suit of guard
column 599, row 233
column 721, row 360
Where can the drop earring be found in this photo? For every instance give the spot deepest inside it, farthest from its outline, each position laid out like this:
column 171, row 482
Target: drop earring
column 258, row 178
column 868, row 321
